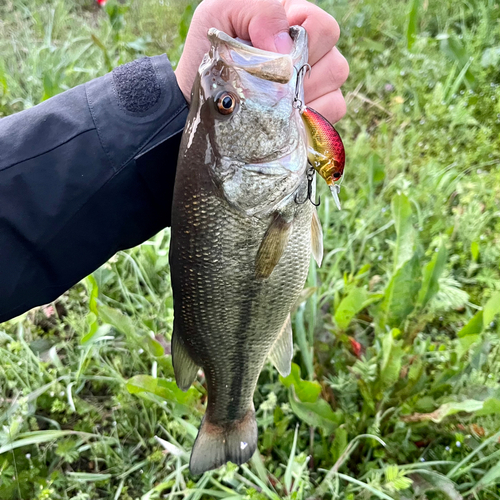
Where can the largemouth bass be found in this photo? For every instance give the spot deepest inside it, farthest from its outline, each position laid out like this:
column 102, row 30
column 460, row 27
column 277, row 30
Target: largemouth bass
column 241, row 242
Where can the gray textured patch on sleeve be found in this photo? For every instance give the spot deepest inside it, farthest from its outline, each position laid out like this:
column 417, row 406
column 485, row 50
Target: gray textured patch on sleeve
column 137, row 85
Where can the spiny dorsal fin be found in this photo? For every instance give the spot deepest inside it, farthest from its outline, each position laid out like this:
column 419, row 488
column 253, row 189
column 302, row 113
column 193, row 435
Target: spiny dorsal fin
column 185, row 369
column 272, row 247
column 316, row 238
column 282, row 351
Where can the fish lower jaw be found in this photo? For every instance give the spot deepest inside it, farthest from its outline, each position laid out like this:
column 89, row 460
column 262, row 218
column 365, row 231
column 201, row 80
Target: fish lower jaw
column 259, row 189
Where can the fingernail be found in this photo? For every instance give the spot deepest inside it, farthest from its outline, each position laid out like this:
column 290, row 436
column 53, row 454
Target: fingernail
column 283, row 43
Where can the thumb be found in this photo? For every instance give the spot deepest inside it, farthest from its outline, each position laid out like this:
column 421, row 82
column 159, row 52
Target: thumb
column 265, row 24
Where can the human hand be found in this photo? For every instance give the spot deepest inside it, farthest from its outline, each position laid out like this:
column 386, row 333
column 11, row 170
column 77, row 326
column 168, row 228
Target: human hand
column 265, row 23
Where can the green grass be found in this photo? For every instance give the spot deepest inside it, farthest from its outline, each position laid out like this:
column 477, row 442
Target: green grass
column 395, row 393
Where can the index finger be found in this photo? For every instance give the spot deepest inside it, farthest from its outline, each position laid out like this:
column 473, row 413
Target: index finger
column 322, row 29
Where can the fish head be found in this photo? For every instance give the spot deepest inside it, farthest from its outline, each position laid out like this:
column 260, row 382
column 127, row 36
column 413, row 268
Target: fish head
column 246, row 95
column 244, row 99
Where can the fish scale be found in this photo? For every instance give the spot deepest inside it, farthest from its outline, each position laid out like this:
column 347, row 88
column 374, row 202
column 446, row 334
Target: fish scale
column 217, row 296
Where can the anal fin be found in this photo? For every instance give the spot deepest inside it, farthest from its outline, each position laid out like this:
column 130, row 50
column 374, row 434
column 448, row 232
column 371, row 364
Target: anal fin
column 282, row 351
column 272, row 247
column 316, row 238
column 185, row 368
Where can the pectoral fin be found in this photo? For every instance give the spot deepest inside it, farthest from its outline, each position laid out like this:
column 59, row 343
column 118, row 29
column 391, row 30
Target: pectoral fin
column 282, row 351
column 272, row 247
column 185, row 368
column 316, row 238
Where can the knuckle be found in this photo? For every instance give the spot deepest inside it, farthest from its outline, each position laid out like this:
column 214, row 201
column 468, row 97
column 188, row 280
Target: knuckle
column 338, row 68
column 267, row 6
column 339, row 106
column 267, row 12
column 342, row 69
column 328, row 30
column 204, row 9
column 204, row 6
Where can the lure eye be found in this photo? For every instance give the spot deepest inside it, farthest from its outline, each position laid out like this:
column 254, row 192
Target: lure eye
column 336, row 175
column 225, row 103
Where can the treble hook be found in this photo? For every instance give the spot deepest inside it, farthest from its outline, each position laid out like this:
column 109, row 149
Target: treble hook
column 310, row 179
column 309, row 194
column 301, row 73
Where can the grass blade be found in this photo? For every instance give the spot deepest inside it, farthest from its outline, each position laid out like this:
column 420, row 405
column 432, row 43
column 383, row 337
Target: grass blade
column 411, row 30
column 39, row 437
column 453, row 472
column 289, row 467
column 367, row 487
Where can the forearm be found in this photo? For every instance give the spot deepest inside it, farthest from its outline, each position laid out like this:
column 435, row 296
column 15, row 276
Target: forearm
column 83, row 175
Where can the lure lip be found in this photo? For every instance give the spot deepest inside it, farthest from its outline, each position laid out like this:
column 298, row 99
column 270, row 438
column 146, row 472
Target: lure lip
column 335, row 190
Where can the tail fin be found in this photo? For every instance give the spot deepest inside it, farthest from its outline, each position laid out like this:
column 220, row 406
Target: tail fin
column 217, row 444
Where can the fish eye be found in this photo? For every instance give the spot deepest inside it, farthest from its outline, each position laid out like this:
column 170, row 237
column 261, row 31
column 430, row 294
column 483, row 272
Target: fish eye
column 225, row 103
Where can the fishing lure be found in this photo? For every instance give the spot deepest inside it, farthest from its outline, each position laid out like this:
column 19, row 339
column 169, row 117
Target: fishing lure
column 326, row 152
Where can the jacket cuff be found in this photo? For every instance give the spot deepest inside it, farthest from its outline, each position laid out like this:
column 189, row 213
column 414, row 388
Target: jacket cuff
column 135, row 108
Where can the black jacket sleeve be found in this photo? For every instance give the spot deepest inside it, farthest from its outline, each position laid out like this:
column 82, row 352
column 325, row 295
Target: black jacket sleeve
column 83, row 175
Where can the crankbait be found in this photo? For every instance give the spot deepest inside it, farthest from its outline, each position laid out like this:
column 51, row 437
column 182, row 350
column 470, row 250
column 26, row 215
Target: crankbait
column 326, row 152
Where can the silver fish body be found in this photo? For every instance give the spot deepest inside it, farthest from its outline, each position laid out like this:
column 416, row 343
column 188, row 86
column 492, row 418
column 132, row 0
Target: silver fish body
column 241, row 241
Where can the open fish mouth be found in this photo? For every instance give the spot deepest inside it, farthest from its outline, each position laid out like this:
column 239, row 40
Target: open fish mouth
column 263, row 64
